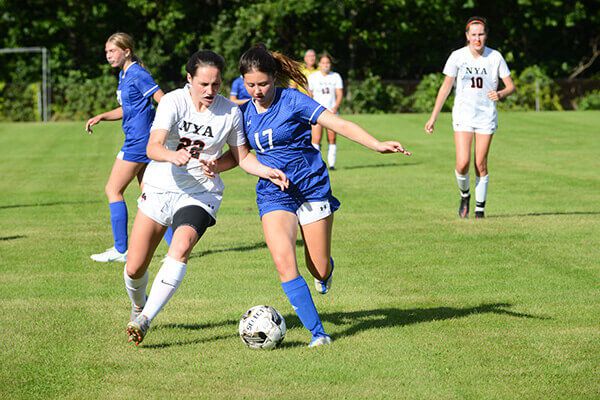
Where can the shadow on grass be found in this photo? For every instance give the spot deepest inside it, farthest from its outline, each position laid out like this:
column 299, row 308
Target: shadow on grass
column 6, row 238
column 544, row 214
column 357, row 321
column 255, row 246
column 56, row 203
column 381, row 165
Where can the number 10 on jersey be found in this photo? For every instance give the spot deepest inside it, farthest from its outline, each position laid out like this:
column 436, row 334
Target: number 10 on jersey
column 266, row 132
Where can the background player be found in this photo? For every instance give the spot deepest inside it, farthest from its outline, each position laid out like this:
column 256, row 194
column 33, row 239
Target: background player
column 277, row 126
column 476, row 69
column 238, row 93
column 327, row 88
column 191, row 127
column 135, row 93
column 309, row 66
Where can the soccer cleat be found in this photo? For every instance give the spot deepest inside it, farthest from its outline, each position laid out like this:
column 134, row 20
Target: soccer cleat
column 479, row 215
column 136, row 311
column 332, row 168
column 463, row 209
column 136, row 329
column 317, row 341
column 110, row 255
column 324, row 286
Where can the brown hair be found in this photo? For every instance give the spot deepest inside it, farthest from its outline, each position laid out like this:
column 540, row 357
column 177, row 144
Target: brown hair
column 124, row 41
column 476, row 20
column 282, row 68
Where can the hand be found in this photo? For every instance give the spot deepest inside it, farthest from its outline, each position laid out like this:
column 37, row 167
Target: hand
column 91, row 122
column 209, row 167
column 278, row 177
column 429, row 126
column 180, row 157
column 392, row 147
column 493, row 95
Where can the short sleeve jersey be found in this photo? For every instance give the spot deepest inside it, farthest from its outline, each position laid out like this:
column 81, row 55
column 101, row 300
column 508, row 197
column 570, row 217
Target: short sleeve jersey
column 238, row 89
column 204, row 134
column 475, row 77
column 281, row 137
column 134, row 94
column 323, row 87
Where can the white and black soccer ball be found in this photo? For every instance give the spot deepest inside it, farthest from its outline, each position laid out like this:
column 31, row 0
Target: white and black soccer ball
column 262, row 327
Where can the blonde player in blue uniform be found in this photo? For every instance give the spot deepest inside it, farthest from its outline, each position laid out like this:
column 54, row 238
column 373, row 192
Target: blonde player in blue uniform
column 277, row 124
column 135, row 93
column 475, row 68
column 191, row 127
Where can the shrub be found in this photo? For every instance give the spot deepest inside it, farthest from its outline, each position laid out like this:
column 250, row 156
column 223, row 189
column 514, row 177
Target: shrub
column 19, row 102
column 372, row 96
column 590, row 101
column 78, row 97
column 424, row 96
column 525, row 96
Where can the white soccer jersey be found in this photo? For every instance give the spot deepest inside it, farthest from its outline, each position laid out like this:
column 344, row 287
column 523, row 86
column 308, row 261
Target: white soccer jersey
column 203, row 133
column 323, row 87
column 475, row 77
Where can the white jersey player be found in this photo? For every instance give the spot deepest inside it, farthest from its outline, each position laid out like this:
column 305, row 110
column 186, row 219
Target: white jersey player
column 327, row 88
column 189, row 131
column 476, row 70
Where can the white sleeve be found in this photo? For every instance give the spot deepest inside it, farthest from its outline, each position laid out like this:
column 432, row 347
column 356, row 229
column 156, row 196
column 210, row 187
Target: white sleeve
column 311, row 82
column 236, row 136
column 339, row 84
column 503, row 70
column 166, row 114
column 451, row 67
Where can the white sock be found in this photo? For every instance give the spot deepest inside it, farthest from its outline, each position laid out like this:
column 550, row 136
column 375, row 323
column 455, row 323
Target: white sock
column 317, row 146
column 136, row 288
column 481, row 184
column 331, row 153
column 463, row 183
column 165, row 285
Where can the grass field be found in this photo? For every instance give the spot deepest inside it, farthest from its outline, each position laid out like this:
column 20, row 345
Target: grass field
column 423, row 306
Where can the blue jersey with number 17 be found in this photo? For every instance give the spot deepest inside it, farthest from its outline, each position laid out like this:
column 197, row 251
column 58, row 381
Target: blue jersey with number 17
column 281, row 138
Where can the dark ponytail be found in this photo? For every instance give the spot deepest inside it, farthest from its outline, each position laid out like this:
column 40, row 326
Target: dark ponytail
column 282, row 68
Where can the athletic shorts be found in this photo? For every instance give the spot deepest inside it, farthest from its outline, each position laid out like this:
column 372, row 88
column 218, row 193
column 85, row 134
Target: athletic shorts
column 162, row 206
column 133, row 157
column 483, row 130
column 307, row 212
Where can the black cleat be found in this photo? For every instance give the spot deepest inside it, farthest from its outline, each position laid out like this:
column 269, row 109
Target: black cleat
column 332, row 168
column 479, row 215
column 463, row 209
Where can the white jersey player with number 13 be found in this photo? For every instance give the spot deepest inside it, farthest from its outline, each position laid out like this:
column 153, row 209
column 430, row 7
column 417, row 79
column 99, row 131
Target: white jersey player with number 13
column 476, row 69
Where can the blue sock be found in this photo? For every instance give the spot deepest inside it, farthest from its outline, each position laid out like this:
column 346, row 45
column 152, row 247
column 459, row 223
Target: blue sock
column 168, row 235
column 299, row 296
column 118, row 220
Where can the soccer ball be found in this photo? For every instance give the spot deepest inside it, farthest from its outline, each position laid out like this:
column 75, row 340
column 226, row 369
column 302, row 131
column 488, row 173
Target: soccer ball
column 262, row 327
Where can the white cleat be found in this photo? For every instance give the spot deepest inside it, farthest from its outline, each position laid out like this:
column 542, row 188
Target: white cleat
column 320, row 341
column 110, row 255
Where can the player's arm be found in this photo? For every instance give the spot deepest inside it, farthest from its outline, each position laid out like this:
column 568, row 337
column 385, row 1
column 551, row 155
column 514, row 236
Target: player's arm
column 357, row 134
column 509, row 88
column 158, row 95
column 111, row 115
column 157, row 151
column 339, row 95
column 248, row 162
column 236, row 100
column 442, row 95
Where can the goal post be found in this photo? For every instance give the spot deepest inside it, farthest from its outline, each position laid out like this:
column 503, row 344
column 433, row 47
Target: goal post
column 45, row 109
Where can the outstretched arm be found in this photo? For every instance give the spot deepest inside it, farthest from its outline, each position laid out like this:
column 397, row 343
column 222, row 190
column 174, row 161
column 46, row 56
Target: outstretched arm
column 442, row 95
column 248, row 162
column 357, row 134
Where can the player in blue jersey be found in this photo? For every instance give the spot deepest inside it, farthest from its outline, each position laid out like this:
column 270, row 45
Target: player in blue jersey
column 239, row 95
column 135, row 93
column 277, row 124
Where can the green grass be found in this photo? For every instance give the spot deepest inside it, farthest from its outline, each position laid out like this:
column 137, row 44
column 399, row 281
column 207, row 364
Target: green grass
column 424, row 305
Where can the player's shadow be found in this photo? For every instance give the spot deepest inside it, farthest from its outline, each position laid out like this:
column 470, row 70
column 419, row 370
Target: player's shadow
column 194, row 327
column 7, row 238
column 380, row 165
column 544, row 214
column 354, row 322
column 49, row 204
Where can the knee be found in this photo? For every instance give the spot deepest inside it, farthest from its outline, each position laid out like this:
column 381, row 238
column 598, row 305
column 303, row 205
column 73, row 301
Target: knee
column 134, row 270
column 481, row 168
column 462, row 168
